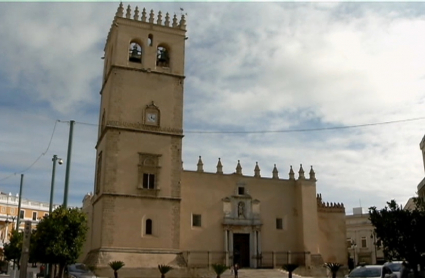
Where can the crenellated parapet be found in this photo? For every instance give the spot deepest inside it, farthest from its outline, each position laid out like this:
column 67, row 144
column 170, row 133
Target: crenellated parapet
column 152, row 18
column 329, row 207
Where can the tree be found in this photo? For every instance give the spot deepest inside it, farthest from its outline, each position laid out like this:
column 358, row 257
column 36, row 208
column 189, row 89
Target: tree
column 163, row 269
column 333, row 267
column 59, row 237
column 116, row 265
column 219, row 269
column 13, row 249
column 401, row 232
column 290, row 268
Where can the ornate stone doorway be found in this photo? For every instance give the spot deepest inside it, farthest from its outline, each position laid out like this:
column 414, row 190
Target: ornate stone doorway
column 241, row 250
column 242, row 228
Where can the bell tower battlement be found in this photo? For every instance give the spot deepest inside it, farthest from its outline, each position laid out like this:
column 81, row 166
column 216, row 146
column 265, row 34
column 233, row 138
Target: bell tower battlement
column 155, row 42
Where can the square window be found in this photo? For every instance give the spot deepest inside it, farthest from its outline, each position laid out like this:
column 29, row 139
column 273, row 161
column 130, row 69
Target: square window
column 279, row 223
column 149, row 181
column 196, row 220
column 241, row 190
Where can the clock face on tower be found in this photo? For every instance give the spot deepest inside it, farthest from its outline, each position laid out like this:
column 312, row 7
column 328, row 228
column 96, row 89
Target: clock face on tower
column 152, row 114
column 151, row 118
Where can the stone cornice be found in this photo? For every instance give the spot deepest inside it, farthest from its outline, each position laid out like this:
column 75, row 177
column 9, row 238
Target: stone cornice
column 112, row 67
column 137, row 196
column 141, row 128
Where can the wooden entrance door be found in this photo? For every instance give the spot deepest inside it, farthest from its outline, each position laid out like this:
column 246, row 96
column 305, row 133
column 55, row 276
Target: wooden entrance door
column 241, row 250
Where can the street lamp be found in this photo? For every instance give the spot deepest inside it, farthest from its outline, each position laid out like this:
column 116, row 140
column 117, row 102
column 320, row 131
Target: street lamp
column 52, row 188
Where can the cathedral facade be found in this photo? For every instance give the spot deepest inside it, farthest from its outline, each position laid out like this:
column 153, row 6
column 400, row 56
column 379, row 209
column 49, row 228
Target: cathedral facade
column 147, row 210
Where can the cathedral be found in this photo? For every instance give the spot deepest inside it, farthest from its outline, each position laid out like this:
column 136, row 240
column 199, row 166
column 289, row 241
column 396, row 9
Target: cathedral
column 147, row 210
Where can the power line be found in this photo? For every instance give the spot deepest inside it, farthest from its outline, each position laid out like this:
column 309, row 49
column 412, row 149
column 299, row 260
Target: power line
column 231, row 132
column 38, row 158
column 292, row 130
column 310, row 129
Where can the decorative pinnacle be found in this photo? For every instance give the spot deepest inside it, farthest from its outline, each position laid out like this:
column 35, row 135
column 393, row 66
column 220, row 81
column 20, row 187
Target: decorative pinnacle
column 136, row 13
column 200, row 165
column 239, row 168
column 219, row 167
column 291, row 174
column 143, row 15
column 275, row 172
column 167, row 20
column 128, row 14
column 151, row 17
column 175, row 21
column 301, row 173
column 159, row 21
column 312, row 174
column 120, row 10
column 183, row 23
column 257, row 171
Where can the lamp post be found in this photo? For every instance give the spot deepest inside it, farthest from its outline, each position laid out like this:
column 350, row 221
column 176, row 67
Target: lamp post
column 52, row 188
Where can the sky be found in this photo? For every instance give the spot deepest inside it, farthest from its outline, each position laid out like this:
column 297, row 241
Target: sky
column 256, row 74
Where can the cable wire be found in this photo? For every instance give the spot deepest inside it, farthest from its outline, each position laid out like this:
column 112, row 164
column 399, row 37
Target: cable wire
column 38, row 158
column 310, row 129
column 292, row 130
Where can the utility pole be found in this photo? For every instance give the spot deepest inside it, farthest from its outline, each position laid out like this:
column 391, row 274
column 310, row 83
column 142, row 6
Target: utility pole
column 52, row 188
column 19, row 204
column 68, row 164
column 25, row 255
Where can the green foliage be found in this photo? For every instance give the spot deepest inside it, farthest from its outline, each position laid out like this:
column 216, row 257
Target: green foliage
column 13, row 249
column 163, row 269
column 400, row 232
column 59, row 237
column 333, row 267
column 219, row 269
column 116, row 265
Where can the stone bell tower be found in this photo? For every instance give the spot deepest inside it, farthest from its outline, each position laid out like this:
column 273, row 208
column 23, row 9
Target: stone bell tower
column 136, row 204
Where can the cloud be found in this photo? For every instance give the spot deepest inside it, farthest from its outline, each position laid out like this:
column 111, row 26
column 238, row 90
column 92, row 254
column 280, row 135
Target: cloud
column 249, row 67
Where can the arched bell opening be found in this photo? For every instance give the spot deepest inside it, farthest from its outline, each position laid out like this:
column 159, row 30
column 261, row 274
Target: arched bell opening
column 135, row 53
column 163, row 56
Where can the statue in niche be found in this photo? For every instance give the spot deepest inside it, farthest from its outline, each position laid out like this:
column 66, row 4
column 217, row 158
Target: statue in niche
column 241, row 208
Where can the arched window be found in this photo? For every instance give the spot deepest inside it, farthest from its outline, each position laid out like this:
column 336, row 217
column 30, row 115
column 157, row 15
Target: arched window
column 135, row 53
column 150, row 40
column 163, row 56
column 148, row 228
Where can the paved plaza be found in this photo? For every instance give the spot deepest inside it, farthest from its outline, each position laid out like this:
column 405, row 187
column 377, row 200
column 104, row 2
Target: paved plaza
column 259, row 273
